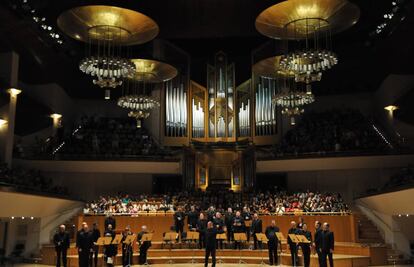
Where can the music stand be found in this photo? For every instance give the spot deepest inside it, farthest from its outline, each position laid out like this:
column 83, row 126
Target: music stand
column 221, row 237
column 192, row 236
column 103, row 241
column 296, row 240
column 129, row 239
column 240, row 237
column 262, row 238
column 147, row 237
column 280, row 237
column 170, row 237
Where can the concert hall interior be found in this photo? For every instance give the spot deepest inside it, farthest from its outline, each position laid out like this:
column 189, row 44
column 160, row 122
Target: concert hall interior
column 204, row 132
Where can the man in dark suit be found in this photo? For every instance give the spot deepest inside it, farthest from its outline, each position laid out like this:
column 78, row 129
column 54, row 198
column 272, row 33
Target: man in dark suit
column 318, row 241
column 229, row 223
column 192, row 218
column 95, row 235
column 256, row 228
column 201, row 229
column 306, row 246
column 292, row 245
column 109, row 220
column 143, row 245
column 179, row 217
column 327, row 246
column 62, row 242
column 126, row 248
column 84, row 244
column 110, row 250
column 238, row 227
column 210, row 237
column 220, row 227
column 273, row 242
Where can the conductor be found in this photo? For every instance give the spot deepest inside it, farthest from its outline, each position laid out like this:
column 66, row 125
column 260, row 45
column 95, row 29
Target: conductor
column 210, row 239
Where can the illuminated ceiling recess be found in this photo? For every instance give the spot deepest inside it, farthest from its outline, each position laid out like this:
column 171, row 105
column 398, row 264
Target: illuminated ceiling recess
column 108, row 32
column 306, row 27
column 136, row 96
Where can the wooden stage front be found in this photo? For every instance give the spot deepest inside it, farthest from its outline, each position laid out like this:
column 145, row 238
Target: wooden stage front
column 348, row 252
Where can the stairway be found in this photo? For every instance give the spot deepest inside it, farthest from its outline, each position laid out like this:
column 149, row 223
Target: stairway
column 367, row 231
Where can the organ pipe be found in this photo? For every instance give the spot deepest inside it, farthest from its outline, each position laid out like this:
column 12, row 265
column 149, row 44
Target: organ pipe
column 176, row 109
column 265, row 114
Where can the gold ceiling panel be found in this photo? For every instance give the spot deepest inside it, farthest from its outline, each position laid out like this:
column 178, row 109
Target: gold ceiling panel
column 153, row 71
column 269, row 68
column 85, row 22
column 337, row 14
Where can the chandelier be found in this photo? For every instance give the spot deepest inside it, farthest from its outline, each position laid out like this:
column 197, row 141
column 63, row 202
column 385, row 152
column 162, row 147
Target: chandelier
column 108, row 32
column 306, row 27
column 290, row 98
column 136, row 92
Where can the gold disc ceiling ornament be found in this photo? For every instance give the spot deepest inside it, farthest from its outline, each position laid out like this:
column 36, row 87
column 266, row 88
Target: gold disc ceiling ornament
column 136, row 28
column 270, row 68
column 153, row 71
column 332, row 15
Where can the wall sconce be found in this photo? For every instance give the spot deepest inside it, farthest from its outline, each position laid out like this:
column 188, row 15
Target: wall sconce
column 14, row 92
column 391, row 109
column 2, row 122
column 57, row 118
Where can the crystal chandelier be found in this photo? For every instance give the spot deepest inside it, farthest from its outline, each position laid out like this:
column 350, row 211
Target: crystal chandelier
column 106, row 62
column 291, row 99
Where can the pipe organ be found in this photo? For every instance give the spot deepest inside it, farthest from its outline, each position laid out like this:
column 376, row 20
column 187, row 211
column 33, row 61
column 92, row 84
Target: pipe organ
column 265, row 112
column 175, row 108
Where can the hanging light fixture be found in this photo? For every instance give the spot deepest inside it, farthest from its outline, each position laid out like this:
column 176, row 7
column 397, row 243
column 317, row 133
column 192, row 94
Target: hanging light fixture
column 306, row 27
column 108, row 31
column 137, row 91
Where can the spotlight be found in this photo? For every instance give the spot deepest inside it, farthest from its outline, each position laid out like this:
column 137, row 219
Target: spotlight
column 12, row 217
column 31, row 218
column 22, row 218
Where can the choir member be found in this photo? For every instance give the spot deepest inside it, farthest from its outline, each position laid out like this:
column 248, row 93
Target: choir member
column 273, row 242
column 327, row 245
column 192, row 218
column 318, row 241
column 84, row 245
column 210, row 237
column 112, row 249
column 229, row 222
column 95, row 236
column 201, row 229
column 109, row 220
column 247, row 217
column 179, row 217
column 256, row 229
column 306, row 249
column 62, row 242
column 292, row 245
column 126, row 248
column 219, row 224
column 143, row 245
column 238, row 227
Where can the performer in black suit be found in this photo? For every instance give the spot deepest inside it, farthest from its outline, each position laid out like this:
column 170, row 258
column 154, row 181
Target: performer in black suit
column 95, row 235
column 256, row 228
column 126, row 248
column 238, row 227
column 179, row 217
column 143, row 245
column 327, row 246
column 318, row 241
column 220, row 227
column 228, row 219
column 109, row 220
column 247, row 217
column 201, row 229
column 62, row 242
column 272, row 243
column 110, row 250
column 192, row 218
column 211, row 233
column 84, row 245
column 306, row 249
column 292, row 245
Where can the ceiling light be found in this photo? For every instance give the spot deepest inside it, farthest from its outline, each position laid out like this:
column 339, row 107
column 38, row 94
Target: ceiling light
column 14, row 91
column 391, row 108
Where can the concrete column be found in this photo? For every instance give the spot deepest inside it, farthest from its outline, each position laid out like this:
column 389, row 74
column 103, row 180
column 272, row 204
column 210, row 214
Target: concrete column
column 10, row 71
